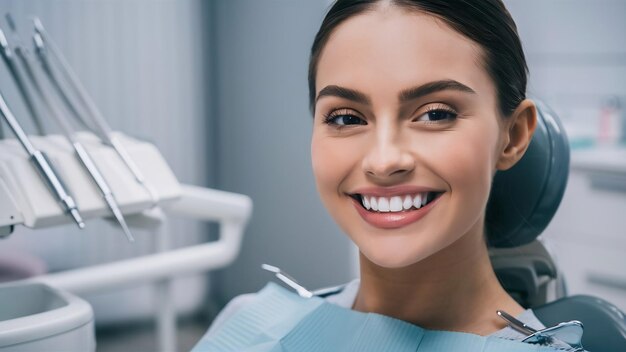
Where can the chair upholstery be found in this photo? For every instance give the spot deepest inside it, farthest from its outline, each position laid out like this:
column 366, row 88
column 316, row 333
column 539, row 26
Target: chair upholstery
column 528, row 274
column 524, row 198
column 522, row 202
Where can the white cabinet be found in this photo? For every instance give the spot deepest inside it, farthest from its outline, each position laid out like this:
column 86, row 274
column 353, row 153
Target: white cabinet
column 588, row 234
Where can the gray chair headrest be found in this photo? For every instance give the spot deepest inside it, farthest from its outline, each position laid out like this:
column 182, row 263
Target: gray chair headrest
column 524, row 198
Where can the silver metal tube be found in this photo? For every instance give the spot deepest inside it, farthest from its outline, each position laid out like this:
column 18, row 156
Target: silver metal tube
column 15, row 127
column 107, row 194
column 43, row 166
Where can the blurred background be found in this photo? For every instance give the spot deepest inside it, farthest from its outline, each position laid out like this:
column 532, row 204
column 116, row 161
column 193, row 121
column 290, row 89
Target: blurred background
column 219, row 86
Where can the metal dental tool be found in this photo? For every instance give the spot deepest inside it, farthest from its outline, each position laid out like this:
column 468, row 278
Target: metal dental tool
column 43, row 166
column 284, row 277
column 81, row 152
column 570, row 332
column 103, row 129
column 516, row 324
column 9, row 59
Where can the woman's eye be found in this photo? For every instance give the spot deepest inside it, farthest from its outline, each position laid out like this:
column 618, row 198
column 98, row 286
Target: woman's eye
column 437, row 115
column 344, row 120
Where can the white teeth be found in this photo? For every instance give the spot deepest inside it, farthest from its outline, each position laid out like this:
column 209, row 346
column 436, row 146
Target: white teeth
column 408, row 203
column 374, row 203
column 395, row 204
column 383, row 204
column 417, row 201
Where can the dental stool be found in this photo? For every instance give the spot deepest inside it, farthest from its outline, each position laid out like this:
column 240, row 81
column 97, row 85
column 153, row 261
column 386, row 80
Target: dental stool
column 522, row 202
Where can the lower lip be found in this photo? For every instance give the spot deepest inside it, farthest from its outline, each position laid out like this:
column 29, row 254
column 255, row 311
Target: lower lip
column 394, row 220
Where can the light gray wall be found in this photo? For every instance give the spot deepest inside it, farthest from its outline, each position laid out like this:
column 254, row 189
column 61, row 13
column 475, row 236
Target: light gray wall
column 264, row 129
column 576, row 53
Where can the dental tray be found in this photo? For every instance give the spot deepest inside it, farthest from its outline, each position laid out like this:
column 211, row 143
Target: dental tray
column 25, row 199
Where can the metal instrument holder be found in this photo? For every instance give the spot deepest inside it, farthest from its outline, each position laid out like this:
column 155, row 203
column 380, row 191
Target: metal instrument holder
column 25, row 200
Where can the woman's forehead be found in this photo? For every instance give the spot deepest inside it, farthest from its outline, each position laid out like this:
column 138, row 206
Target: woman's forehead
column 392, row 49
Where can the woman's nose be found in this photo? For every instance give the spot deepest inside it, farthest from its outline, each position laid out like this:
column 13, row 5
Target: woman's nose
column 388, row 157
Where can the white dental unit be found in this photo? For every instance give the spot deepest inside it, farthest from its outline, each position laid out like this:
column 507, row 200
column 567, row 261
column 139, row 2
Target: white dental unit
column 45, row 312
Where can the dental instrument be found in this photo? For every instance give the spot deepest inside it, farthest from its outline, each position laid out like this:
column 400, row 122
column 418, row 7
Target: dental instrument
column 284, row 277
column 103, row 129
column 303, row 292
column 9, row 59
column 516, row 324
column 80, row 150
column 43, row 166
column 570, row 332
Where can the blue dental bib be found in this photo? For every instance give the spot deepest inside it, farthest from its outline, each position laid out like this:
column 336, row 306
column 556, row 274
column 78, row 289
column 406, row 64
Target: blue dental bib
column 281, row 321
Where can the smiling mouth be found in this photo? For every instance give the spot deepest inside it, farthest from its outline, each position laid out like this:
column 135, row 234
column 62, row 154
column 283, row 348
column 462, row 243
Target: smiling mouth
column 396, row 204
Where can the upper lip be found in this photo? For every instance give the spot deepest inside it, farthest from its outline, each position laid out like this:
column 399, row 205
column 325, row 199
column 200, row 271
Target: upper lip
column 393, row 191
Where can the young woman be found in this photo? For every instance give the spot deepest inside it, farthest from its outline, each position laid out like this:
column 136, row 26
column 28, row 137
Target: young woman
column 416, row 105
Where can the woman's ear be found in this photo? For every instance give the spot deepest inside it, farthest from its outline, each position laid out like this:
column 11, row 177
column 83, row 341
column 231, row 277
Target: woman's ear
column 519, row 129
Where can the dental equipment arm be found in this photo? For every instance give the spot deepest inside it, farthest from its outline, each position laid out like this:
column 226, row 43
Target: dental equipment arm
column 103, row 129
column 67, row 129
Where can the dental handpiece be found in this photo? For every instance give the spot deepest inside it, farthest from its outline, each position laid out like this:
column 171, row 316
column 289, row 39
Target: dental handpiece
column 104, row 130
column 67, row 129
column 43, row 166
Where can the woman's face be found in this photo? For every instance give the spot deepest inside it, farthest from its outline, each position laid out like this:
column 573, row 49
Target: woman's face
column 404, row 111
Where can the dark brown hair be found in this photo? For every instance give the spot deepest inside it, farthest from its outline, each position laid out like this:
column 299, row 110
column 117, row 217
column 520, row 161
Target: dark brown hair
column 486, row 22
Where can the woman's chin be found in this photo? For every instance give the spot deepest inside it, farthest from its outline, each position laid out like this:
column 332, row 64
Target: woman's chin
column 393, row 258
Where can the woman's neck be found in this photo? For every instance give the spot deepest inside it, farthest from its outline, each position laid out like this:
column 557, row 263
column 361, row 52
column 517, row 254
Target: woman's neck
column 454, row 289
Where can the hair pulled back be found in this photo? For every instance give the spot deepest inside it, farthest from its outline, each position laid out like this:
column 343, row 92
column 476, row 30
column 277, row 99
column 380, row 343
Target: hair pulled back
column 486, row 22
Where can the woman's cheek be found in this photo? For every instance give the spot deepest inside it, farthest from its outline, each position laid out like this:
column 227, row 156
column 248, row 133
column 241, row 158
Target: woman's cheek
column 329, row 160
column 462, row 159
column 470, row 169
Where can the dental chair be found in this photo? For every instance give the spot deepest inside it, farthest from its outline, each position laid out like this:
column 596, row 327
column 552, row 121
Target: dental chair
column 522, row 202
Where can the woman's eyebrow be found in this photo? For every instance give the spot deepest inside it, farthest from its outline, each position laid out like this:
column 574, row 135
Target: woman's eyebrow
column 342, row 92
column 432, row 87
column 404, row 96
